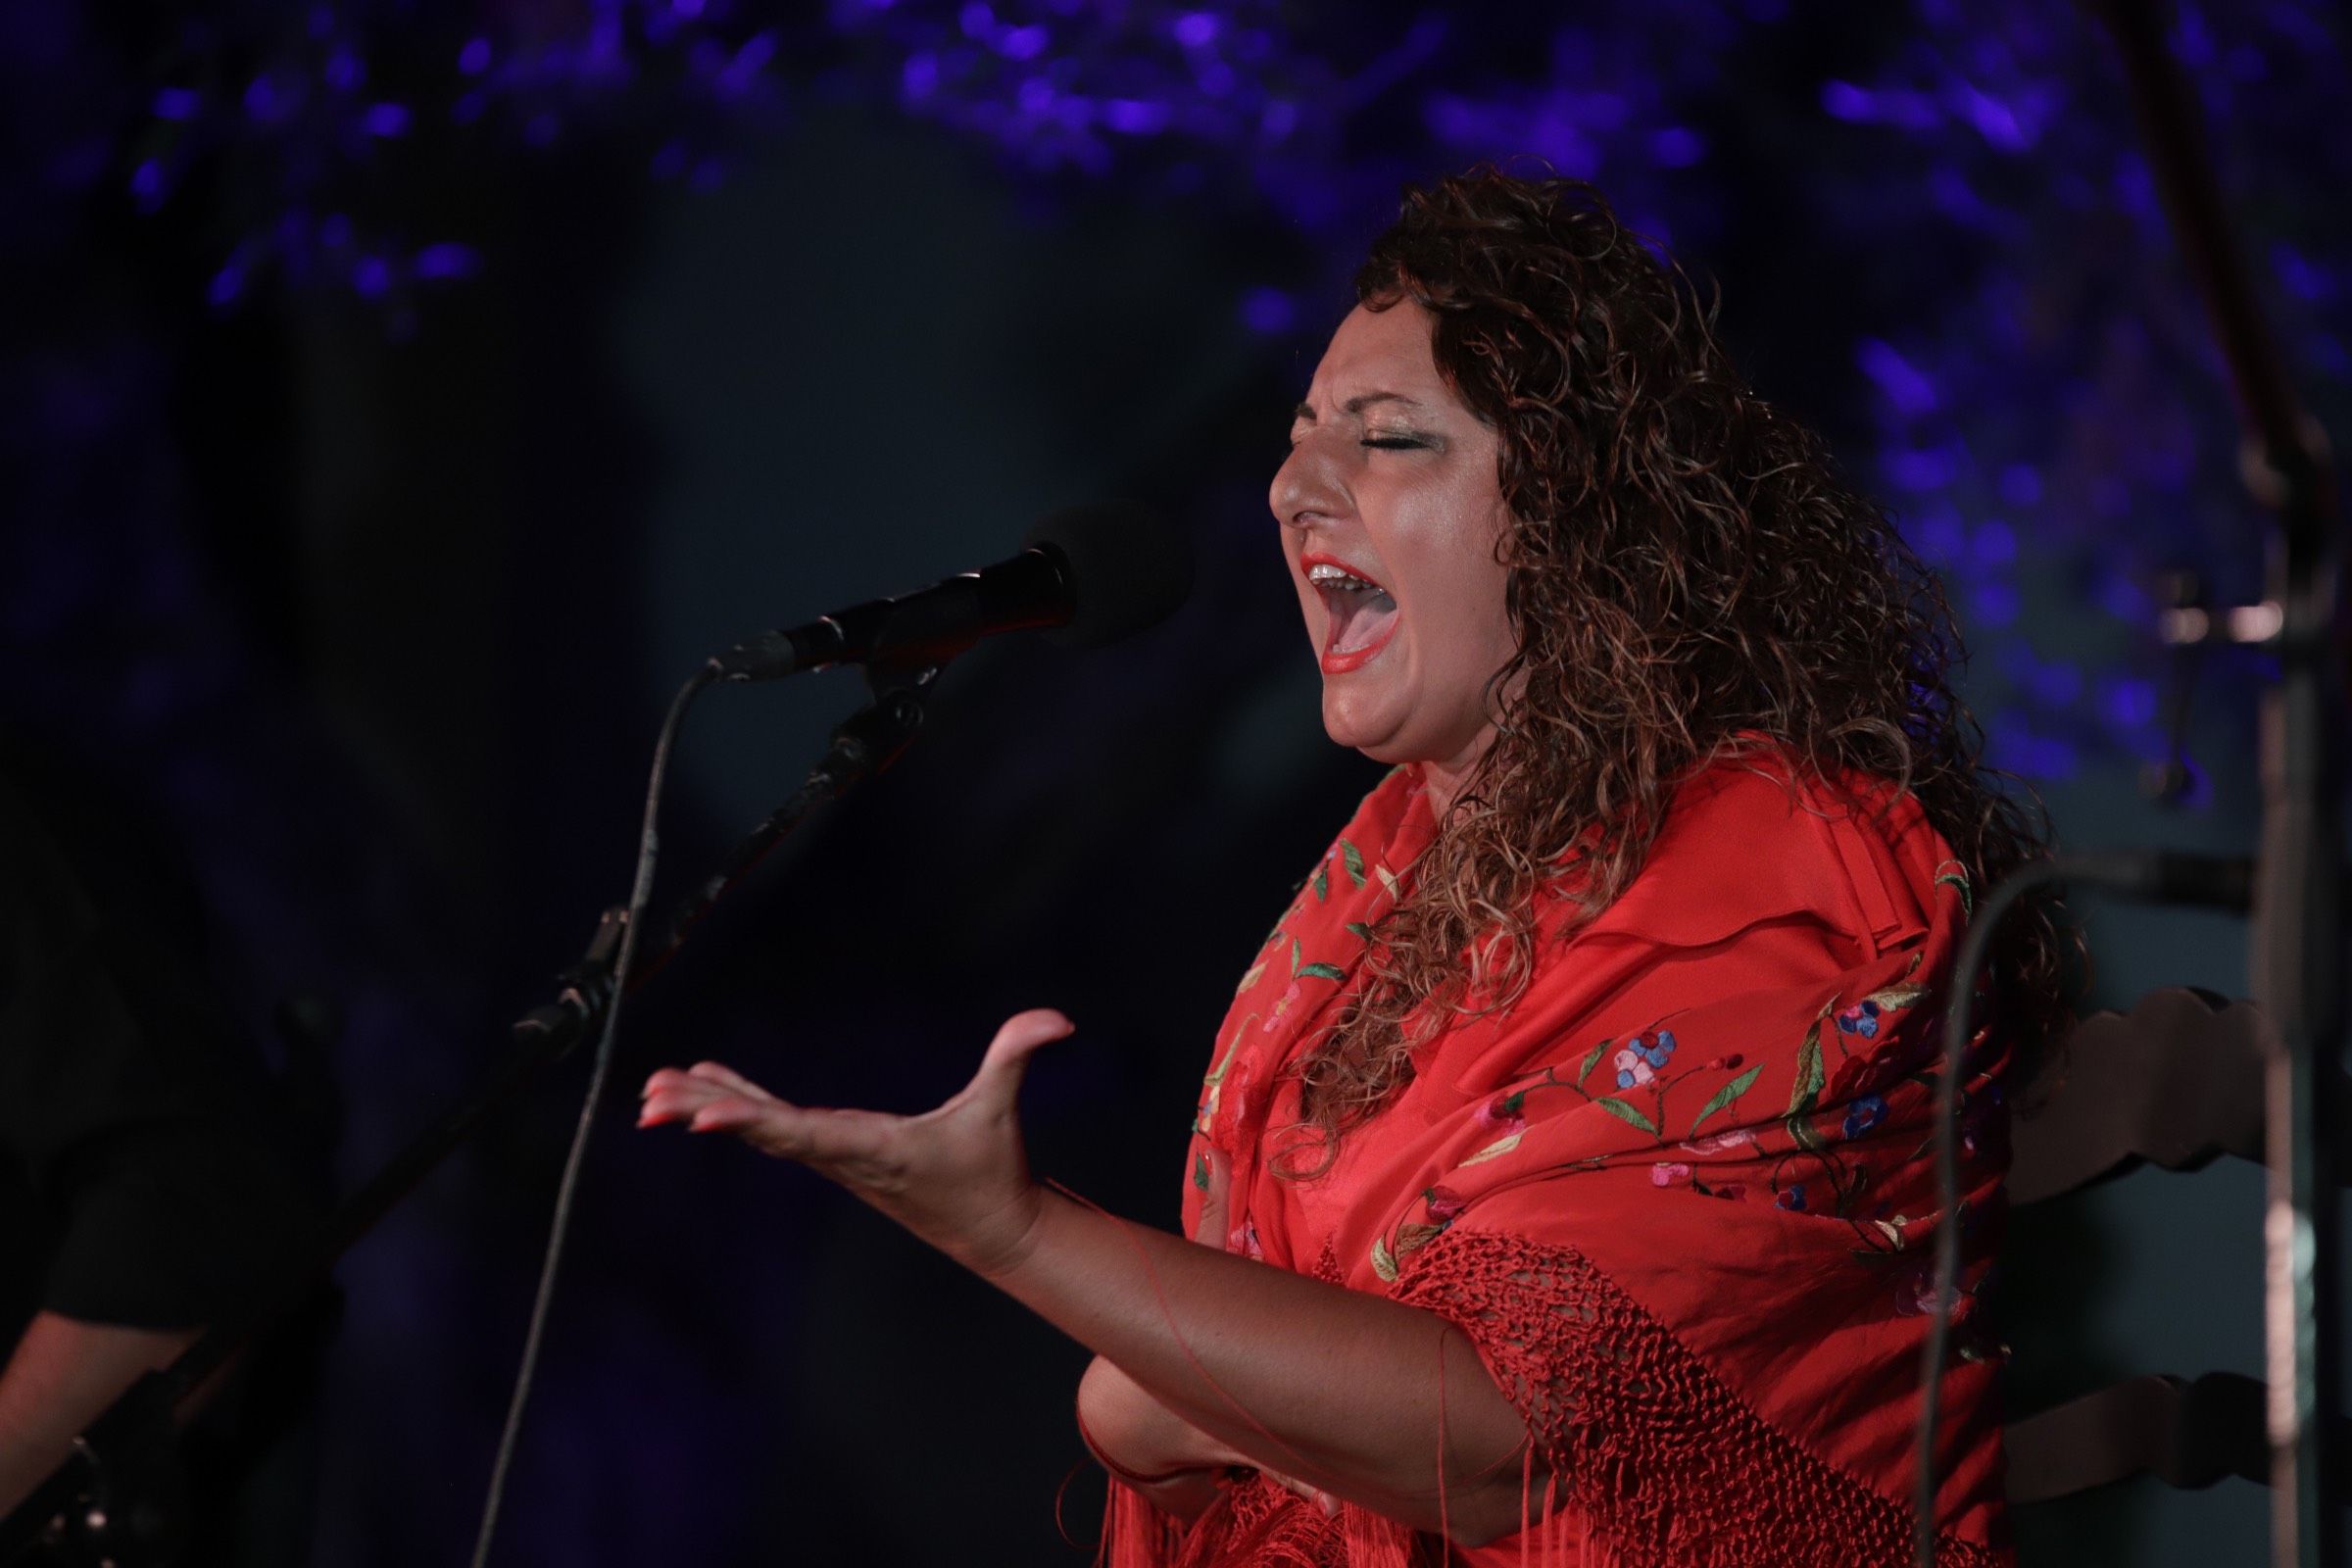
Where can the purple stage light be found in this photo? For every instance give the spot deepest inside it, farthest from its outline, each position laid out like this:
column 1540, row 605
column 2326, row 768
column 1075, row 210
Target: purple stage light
column 1677, row 147
column 1195, row 29
column 1268, row 309
column 1134, row 116
column 1911, row 393
column 446, row 260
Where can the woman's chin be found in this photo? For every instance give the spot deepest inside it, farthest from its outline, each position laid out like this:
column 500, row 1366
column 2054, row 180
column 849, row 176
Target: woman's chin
column 1360, row 724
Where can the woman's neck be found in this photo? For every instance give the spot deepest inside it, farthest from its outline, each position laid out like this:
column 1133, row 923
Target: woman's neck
column 1443, row 778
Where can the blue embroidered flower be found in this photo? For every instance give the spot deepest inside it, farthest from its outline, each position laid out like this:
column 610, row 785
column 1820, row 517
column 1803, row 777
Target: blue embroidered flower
column 1790, row 1197
column 1862, row 1019
column 1639, row 1061
column 1864, row 1115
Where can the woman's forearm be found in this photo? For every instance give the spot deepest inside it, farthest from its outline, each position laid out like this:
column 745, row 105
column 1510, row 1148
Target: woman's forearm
column 1334, row 1386
column 60, row 1377
column 1341, row 1391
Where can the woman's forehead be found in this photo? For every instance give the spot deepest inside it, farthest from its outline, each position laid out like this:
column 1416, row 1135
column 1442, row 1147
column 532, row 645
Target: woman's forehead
column 1380, row 352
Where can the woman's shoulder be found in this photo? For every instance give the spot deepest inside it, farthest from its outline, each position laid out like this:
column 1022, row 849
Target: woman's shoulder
column 1756, row 835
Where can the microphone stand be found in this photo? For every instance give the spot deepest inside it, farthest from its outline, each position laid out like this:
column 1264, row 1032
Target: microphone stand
column 2298, row 948
column 121, row 1500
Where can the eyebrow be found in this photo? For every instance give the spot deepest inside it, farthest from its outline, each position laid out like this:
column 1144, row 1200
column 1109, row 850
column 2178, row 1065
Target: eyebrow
column 1355, row 405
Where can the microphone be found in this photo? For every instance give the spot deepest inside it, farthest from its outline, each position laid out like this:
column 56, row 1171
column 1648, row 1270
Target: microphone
column 1097, row 573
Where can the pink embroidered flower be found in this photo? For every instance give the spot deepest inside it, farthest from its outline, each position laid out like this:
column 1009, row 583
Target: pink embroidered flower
column 1443, row 1203
column 1669, row 1173
column 1639, row 1061
column 1502, row 1112
column 1281, row 1006
column 1722, row 1141
column 1915, row 1293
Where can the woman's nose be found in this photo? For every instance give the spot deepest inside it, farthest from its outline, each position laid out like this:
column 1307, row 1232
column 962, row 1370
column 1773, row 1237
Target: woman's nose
column 1306, row 488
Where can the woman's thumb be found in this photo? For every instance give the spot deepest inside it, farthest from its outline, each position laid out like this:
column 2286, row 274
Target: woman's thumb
column 1018, row 1038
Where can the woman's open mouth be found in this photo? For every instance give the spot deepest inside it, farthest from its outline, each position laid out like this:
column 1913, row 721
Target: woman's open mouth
column 1360, row 614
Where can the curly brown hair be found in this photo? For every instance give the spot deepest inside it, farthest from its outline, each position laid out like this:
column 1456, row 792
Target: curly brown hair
column 1685, row 567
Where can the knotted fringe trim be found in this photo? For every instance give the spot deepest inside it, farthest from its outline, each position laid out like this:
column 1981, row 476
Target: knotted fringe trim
column 1135, row 1534
column 1257, row 1524
column 1657, row 1462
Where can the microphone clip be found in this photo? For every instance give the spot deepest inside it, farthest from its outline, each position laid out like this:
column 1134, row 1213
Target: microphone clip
column 871, row 739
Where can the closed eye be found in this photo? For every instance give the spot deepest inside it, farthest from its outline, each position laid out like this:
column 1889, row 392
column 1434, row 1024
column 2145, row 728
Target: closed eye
column 1395, row 443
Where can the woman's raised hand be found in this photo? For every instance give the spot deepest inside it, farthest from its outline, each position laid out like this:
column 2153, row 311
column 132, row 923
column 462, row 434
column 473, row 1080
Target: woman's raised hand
column 957, row 1176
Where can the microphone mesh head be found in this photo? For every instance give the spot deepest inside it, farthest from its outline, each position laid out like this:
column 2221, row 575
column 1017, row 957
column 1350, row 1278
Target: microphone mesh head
column 1126, row 569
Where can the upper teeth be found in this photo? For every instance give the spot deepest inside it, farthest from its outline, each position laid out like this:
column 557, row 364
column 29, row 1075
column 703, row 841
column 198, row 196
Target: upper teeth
column 1323, row 575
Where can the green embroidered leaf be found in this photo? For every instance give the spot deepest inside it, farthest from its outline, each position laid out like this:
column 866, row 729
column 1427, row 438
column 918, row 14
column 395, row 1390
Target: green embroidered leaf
column 1591, row 1061
column 1353, row 859
column 1322, row 971
column 1724, row 1096
column 1896, row 996
column 1217, row 1075
column 1497, row 1149
column 1415, row 1235
column 1809, row 1076
column 1801, row 1128
column 1386, row 880
column 1200, row 1170
column 1257, row 973
column 1626, row 1112
column 1383, row 1261
column 1294, row 957
column 1322, row 882
column 1957, row 878
column 1361, row 929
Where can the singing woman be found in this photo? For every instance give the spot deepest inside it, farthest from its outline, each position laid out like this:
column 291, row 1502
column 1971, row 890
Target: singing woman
column 1559, row 1188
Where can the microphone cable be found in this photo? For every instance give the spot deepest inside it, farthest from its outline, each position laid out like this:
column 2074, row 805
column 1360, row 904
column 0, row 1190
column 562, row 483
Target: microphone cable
column 641, row 890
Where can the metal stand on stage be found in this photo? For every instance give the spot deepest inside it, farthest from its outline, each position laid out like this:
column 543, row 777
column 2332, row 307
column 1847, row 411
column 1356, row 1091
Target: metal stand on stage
column 2298, row 950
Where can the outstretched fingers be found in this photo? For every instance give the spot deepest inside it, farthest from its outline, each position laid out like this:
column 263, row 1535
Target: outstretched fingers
column 719, row 1072
column 709, row 1098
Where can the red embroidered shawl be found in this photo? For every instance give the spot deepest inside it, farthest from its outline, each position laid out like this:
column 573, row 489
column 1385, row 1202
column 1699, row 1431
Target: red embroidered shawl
column 1679, row 1195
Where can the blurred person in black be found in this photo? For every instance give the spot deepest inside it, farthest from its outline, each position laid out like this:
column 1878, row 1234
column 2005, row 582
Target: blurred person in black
column 149, row 1164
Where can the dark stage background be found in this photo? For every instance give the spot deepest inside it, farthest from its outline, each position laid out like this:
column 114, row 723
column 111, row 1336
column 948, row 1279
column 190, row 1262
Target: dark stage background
column 400, row 398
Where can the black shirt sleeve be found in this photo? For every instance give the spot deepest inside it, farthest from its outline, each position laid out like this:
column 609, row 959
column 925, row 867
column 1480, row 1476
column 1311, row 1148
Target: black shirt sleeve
column 142, row 1181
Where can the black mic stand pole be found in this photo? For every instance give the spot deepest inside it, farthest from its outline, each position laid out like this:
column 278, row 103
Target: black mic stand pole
column 120, row 1500
column 2298, row 947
